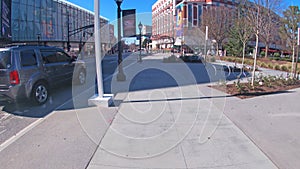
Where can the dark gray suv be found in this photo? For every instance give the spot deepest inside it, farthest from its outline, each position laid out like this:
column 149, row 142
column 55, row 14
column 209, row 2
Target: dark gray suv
column 30, row 71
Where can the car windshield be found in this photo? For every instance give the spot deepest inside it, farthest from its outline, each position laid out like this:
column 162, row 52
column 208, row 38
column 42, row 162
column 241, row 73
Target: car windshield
column 5, row 59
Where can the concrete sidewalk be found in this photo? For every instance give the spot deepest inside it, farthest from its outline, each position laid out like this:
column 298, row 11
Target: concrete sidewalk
column 174, row 127
column 272, row 122
column 187, row 125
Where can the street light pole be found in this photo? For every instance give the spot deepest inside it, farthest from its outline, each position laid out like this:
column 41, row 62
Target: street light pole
column 140, row 28
column 98, row 49
column 99, row 99
column 205, row 44
column 120, row 76
column 68, row 27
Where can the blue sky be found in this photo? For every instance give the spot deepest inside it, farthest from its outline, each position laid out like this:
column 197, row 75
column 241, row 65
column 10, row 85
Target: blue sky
column 108, row 8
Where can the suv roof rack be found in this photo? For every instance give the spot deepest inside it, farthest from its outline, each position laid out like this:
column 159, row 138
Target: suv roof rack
column 21, row 45
column 15, row 44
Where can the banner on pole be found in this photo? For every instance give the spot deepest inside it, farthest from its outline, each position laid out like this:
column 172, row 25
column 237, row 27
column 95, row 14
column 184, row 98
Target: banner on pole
column 129, row 23
column 179, row 20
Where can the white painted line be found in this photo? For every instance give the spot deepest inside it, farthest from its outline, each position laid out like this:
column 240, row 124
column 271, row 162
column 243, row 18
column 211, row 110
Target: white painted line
column 20, row 134
column 28, row 128
column 3, row 131
column 40, row 120
column 6, row 115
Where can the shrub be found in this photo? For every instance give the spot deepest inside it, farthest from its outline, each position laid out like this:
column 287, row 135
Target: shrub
column 290, row 67
column 213, row 59
column 270, row 66
column 229, row 59
column 240, row 87
column 247, row 62
column 276, row 54
column 277, row 67
column 263, row 65
column 238, row 60
column 258, row 63
column 284, row 68
column 262, row 53
column 290, row 81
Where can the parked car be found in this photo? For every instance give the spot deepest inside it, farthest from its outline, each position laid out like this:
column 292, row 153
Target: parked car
column 192, row 58
column 30, row 71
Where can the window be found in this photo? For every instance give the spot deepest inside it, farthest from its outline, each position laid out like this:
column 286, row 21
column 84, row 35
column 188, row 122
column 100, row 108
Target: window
column 62, row 57
column 5, row 59
column 48, row 56
column 30, row 13
column 28, row 58
column 52, row 56
column 23, row 1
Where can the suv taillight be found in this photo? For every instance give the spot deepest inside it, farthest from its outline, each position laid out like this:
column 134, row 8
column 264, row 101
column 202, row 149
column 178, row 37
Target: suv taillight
column 14, row 77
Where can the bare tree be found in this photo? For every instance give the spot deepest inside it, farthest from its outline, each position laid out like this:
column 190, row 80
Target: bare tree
column 254, row 16
column 271, row 21
column 219, row 20
column 243, row 27
column 291, row 19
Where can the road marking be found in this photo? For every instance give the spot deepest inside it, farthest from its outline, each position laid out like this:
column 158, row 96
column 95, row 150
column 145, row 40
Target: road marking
column 28, row 128
column 1, row 132
column 40, row 120
column 6, row 115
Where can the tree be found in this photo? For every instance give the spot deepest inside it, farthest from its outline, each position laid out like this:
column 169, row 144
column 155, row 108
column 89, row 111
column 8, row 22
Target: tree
column 234, row 46
column 289, row 30
column 270, row 20
column 219, row 20
column 243, row 27
column 255, row 19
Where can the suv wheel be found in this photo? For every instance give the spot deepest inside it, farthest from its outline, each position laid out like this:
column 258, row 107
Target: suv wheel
column 81, row 77
column 40, row 93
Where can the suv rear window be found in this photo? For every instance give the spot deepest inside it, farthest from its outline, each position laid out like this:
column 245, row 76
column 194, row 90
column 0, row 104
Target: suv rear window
column 5, row 59
column 28, row 58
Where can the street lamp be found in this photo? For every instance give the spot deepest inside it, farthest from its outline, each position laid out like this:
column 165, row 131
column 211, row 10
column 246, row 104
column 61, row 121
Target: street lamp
column 140, row 28
column 120, row 76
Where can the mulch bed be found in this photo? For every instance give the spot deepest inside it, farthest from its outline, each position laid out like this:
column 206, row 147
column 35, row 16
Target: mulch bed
column 258, row 91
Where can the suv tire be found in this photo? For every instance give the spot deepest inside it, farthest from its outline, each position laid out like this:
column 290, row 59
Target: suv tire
column 40, row 93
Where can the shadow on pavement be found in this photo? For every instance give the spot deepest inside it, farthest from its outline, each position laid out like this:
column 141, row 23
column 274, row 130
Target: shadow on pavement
column 153, row 78
column 177, row 99
column 249, row 95
column 26, row 108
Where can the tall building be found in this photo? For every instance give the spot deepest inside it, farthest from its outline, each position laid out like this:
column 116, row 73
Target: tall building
column 171, row 18
column 184, row 22
column 146, row 30
column 49, row 22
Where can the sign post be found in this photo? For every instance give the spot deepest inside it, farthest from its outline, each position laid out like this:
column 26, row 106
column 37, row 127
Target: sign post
column 296, row 74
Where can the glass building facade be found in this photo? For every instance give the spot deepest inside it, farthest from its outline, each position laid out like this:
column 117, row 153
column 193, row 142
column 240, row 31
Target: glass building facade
column 51, row 22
